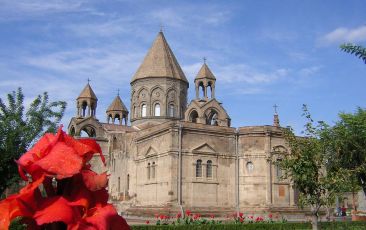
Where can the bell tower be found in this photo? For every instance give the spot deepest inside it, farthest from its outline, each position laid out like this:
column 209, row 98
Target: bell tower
column 205, row 80
column 86, row 103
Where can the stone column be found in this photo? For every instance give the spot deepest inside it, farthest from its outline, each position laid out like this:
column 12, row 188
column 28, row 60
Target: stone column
column 267, row 148
column 291, row 194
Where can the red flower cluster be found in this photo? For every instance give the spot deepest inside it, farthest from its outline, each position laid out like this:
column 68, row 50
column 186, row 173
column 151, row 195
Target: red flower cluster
column 196, row 216
column 73, row 194
column 188, row 212
column 259, row 219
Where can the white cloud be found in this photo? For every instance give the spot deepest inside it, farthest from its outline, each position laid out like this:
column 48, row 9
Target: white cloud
column 239, row 73
column 308, row 71
column 342, row 34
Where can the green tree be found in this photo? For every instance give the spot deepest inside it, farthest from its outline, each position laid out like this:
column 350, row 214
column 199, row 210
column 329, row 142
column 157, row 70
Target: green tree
column 359, row 51
column 306, row 166
column 349, row 145
column 18, row 130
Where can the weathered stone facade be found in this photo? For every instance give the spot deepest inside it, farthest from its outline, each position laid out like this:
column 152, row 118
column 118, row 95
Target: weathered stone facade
column 176, row 155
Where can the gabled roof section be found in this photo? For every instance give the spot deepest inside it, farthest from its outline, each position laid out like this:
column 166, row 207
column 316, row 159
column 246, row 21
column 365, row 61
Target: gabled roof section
column 117, row 105
column 88, row 93
column 204, row 148
column 160, row 62
column 205, row 72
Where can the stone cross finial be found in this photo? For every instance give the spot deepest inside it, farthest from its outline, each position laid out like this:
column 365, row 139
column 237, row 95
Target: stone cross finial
column 88, row 80
column 204, row 60
column 117, row 92
column 161, row 27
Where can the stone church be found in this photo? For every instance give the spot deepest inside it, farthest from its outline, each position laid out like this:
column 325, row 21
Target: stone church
column 166, row 155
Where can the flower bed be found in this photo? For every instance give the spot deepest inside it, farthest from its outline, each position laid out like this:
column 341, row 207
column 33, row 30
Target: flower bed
column 273, row 226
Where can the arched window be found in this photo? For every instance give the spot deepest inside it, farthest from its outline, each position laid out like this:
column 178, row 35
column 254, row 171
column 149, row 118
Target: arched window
column 212, row 118
column 128, row 182
column 209, row 169
column 153, row 170
column 199, row 168
column 201, row 86
column 148, row 171
column 278, row 169
column 117, row 117
column 115, row 143
column 157, row 109
column 83, row 108
column 119, row 185
column 193, row 116
column 250, row 167
column 171, row 110
column 143, row 110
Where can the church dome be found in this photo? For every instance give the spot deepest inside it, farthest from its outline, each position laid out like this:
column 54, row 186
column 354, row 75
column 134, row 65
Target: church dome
column 160, row 62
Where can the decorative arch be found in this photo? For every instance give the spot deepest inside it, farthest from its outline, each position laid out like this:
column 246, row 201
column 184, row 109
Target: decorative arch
column 155, row 90
column 193, row 116
column 89, row 130
column 212, row 117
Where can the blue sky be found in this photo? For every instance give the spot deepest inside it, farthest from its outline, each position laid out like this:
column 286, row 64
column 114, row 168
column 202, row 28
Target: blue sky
column 262, row 52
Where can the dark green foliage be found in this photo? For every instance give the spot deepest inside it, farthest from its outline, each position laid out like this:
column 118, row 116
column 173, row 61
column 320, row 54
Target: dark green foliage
column 17, row 225
column 359, row 51
column 266, row 226
column 349, row 146
column 18, row 131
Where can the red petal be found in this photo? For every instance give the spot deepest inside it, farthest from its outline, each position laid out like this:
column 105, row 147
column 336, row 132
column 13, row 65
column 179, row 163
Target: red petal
column 94, row 181
column 56, row 209
column 103, row 218
column 95, row 146
column 62, row 161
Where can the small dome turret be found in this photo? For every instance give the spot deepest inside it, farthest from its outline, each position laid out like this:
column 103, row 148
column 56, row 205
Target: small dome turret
column 117, row 110
column 86, row 103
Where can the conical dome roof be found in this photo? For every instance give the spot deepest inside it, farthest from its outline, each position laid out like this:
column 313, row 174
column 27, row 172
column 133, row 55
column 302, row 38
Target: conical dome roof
column 160, row 62
column 88, row 93
column 205, row 72
column 117, row 105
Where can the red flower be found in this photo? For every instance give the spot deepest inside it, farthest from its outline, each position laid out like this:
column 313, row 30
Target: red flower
column 241, row 214
column 147, row 222
column 270, row 215
column 259, row 219
column 188, row 212
column 59, row 156
column 241, row 220
column 251, row 217
column 78, row 197
column 212, row 216
column 179, row 215
column 196, row 216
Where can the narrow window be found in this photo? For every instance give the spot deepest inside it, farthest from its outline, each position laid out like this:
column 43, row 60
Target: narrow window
column 171, row 110
column 153, row 170
column 148, row 171
column 157, row 109
column 209, row 169
column 128, row 182
column 119, row 184
column 199, row 168
column 143, row 110
column 278, row 169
